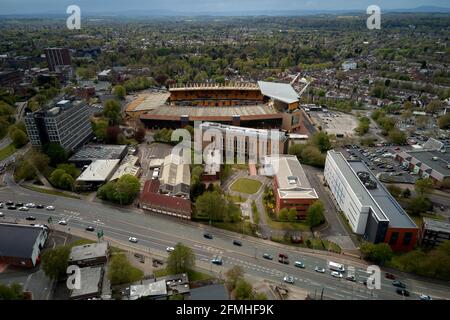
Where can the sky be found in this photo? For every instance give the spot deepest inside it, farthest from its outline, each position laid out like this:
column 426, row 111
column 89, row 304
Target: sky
column 192, row 6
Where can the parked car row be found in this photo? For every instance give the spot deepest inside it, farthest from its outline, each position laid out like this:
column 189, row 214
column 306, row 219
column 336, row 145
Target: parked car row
column 10, row 205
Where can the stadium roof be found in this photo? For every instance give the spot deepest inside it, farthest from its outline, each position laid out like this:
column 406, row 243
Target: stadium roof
column 283, row 92
column 148, row 102
column 216, row 86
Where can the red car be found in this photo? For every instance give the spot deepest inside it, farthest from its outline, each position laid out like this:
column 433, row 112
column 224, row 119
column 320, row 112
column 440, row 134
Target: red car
column 282, row 258
column 390, row 276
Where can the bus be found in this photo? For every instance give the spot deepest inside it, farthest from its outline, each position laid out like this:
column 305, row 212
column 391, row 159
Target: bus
column 336, row 266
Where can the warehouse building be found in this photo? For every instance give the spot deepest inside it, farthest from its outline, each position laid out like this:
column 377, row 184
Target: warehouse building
column 97, row 173
column 21, row 245
column 369, row 208
column 91, row 152
column 291, row 187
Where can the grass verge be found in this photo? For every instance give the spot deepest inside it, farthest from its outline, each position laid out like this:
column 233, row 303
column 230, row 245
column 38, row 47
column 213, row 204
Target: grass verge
column 247, row 186
column 193, row 275
column 7, row 151
column 52, row 192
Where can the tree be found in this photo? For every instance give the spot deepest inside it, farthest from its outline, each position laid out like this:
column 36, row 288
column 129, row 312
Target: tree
column 120, row 271
column 18, row 137
column 55, row 262
column 434, row 106
column 322, row 141
column 99, row 127
column 406, row 193
column 181, row 260
column 292, row 214
column 394, row 191
column 112, row 134
column 423, row 186
column 122, row 191
column 111, row 111
column 56, row 153
column 211, row 205
column 70, row 169
column 39, row 160
column 419, row 205
column 283, row 214
column 314, row 215
column 12, row 292
column 243, row 290
column 139, row 135
column 378, row 253
column 119, row 91
column 232, row 276
column 444, row 121
column 396, row 136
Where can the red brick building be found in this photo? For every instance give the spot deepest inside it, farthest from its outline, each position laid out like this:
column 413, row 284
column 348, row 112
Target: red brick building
column 401, row 239
column 291, row 188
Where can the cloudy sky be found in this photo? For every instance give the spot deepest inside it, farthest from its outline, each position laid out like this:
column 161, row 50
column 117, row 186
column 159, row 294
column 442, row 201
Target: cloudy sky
column 180, row 6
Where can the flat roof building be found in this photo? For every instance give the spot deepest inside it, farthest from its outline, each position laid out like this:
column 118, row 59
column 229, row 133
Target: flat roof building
column 91, row 152
column 91, row 254
column 21, row 245
column 175, row 176
column 434, row 232
column 369, row 208
column 98, row 172
column 291, row 187
column 127, row 166
column 91, row 284
column 160, row 288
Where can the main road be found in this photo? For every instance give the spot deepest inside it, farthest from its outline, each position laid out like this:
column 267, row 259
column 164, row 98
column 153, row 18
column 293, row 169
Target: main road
column 156, row 233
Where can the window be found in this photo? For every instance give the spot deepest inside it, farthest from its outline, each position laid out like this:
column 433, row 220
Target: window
column 407, row 238
column 394, row 238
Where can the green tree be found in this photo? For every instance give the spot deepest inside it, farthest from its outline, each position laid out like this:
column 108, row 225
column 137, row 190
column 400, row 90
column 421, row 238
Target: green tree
column 397, row 137
column 419, row 205
column 292, row 214
column 378, row 253
column 283, row 214
column 55, row 262
column 56, row 153
column 119, row 91
column 120, row 271
column 211, row 205
column 39, row 160
column 423, row 186
column 444, row 121
column 181, row 260
column 18, row 137
column 111, row 111
column 127, row 188
column 406, row 193
column 70, row 169
column 99, row 127
column 314, row 215
column 232, row 276
column 12, row 292
column 395, row 191
column 24, row 171
column 434, row 106
column 322, row 141
column 243, row 290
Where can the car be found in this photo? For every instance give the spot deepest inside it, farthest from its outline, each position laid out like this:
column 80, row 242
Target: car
column 30, row 205
column 208, row 236
column 389, row 276
column 1, row 204
column 424, row 297
column 237, row 243
column 336, row 274
column 2, row 215
column 50, row 208
column 19, row 204
column 217, row 261
column 398, row 284
column 39, row 206
column 289, row 279
column 402, row 292
column 283, row 261
column 319, row 269
column 350, row 278
column 90, row 228
column 23, row 209
column 9, row 203
column 62, row 223
column 283, row 256
column 11, row 207
column 30, row 218
column 299, row 264
column 170, row 249
column 133, row 239
column 267, row 256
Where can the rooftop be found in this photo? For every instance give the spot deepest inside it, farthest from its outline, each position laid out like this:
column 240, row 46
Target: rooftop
column 160, row 287
column 291, row 179
column 93, row 152
column 18, row 240
column 283, row 92
column 98, row 171
column 127, row 166
column 175, row 172
column 88, row 251
column 216, row 86
column 91, row 278
column 224, row 113
column 243, row 130
column 146, row 102
column 436, row 225
column 436, row 160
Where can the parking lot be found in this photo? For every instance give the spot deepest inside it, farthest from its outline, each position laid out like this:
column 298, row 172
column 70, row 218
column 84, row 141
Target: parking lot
column 337, row 123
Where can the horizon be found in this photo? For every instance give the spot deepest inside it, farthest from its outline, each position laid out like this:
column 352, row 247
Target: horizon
column 211, row 7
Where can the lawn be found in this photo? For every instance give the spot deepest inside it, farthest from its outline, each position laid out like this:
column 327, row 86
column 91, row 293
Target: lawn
column 193, row 275
column 52, row 192
column 236, row 199
column 288, row 226
column 7, row 151
column 247, row 186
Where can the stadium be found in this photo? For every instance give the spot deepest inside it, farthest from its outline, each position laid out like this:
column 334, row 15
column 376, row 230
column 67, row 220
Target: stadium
column 254, row 105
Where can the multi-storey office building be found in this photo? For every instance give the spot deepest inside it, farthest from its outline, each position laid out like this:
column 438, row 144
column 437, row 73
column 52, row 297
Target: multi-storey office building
column 369, row 208
column 67, row 124
column 57, row 58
